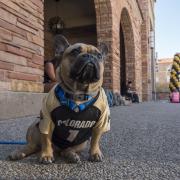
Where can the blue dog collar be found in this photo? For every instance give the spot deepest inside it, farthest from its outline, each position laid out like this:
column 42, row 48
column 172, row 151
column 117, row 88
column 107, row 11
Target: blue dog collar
column 61, row 96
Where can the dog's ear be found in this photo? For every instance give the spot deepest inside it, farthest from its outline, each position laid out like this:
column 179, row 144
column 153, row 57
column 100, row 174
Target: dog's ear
column 103, row 49
column 60, row 45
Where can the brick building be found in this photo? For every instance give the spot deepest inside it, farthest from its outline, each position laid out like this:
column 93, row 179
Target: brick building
column 163, row 69
column 126, row 26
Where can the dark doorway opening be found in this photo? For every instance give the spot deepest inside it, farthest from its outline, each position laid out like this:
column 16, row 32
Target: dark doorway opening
column 122, row 63
column 79, row 18
column 76, row 21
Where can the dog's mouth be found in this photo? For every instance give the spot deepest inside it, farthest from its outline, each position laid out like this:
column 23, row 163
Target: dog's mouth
column 86, row 69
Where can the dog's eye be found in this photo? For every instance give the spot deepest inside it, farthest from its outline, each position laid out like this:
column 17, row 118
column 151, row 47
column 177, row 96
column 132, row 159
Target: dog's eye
column 99, row 56
column 76, row 51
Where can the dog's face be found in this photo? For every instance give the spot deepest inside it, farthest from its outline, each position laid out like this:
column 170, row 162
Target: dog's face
column 82, row 66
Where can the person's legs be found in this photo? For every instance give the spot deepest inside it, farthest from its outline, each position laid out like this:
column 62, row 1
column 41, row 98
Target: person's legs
column 129, row 96
column 135, row 98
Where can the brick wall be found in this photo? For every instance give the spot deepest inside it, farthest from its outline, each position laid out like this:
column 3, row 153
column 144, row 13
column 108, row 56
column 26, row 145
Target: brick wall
column 22, row 42
column 109, row 16
column 147, row 8
column 163, row 69
column 21, row 45
column 104, row 34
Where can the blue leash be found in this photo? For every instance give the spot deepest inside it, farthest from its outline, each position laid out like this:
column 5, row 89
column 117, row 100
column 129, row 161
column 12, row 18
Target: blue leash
column 64, row 101
column 13, row 142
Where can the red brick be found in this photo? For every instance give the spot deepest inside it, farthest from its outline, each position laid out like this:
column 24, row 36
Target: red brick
column 29, row 70
column 22, row 14
column 5, row 35
column 12, row 28
column 2, row 75
column 12, row 58
column 38, row 59
column 27, row 23
column 33, row 65
column 9, row 5
column 33, row 6
column 13, row 9
column 2, row 46
column 29, row 45
column 7, row 16
column 6, row 66
column 38, row 3
column 27, row 28
column 18, row 51
column 23, row 76
column 23, row 5
column 35, row 39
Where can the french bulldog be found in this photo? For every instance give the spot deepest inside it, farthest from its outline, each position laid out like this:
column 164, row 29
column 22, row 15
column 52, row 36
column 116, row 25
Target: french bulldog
column 74, row 111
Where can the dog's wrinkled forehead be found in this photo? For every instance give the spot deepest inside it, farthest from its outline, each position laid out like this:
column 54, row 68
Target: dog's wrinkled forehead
column 81, row 48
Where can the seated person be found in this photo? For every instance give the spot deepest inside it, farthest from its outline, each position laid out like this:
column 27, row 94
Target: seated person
column 50, row 74
column 130, row 94
column 51, row 66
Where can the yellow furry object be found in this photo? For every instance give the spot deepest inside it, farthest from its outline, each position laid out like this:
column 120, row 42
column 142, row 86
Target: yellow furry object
column 175, row 74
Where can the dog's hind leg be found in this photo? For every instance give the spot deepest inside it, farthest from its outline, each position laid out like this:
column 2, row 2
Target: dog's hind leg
column 33, row 144
column 24, row 152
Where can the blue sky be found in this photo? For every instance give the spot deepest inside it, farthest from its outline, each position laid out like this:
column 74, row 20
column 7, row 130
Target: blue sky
column 167, row 14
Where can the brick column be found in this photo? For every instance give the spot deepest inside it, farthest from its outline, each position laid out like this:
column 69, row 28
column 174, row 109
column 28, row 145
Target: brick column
column 104, row 34
column 21, row 45
column 145, row 50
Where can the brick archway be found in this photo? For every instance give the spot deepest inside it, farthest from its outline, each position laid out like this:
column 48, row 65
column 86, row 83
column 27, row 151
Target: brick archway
column 128, row 60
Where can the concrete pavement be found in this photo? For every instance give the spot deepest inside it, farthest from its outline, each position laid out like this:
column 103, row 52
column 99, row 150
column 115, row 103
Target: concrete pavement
column 144, row 143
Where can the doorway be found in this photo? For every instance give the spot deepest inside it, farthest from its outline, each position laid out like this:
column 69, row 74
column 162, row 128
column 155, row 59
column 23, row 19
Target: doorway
column 79, row 18
column 122, row 63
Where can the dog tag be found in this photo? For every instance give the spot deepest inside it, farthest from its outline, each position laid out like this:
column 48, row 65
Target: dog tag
column 76, row 109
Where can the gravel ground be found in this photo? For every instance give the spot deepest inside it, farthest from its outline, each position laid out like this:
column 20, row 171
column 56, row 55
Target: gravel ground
column 144, row 143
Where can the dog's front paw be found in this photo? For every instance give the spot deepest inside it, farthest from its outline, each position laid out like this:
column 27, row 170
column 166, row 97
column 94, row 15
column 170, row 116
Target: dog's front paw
column 46, row 159
column 96, row 156
column 71, row 157
column 17, row 155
